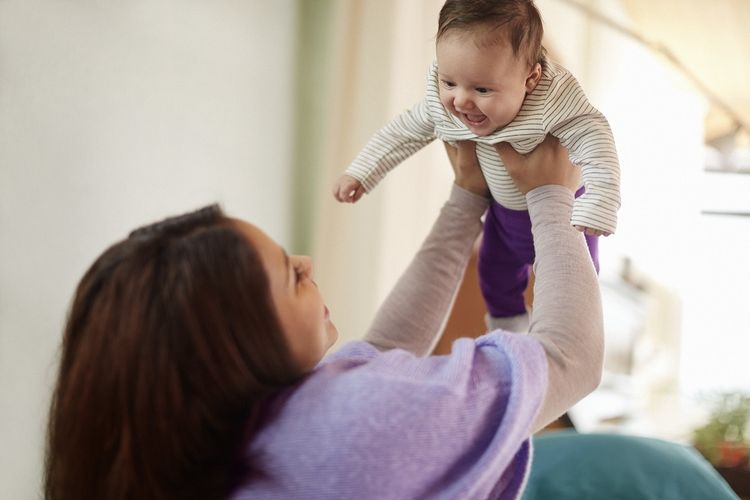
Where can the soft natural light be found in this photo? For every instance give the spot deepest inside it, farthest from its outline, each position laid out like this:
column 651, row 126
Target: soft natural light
column 694, row 265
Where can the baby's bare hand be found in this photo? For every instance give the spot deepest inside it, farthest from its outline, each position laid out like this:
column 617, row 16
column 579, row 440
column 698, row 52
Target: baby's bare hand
column 590, row 231
column 348, row 189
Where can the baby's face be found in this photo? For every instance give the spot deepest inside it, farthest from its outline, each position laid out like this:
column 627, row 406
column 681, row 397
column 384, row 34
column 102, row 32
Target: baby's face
column 482, row 85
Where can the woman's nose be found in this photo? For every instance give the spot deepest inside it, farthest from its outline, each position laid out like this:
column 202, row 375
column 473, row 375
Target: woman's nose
column 308, row 265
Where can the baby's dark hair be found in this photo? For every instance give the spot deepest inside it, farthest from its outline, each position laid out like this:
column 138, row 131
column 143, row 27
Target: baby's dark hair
column 519, row 20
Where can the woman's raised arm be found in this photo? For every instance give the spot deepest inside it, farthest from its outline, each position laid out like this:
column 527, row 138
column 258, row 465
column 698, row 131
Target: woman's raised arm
column 567, row 314
column 414, row 313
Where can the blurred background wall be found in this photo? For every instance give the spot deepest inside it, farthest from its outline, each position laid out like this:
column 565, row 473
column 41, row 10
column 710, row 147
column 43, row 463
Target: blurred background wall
column 116, row 114
column 113, row 114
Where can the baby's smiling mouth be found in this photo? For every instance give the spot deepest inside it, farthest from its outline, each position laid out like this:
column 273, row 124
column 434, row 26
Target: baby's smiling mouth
column 474, row 119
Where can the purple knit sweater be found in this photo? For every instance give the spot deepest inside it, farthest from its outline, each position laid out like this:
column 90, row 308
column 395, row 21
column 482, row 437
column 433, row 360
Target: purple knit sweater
column 378, row 419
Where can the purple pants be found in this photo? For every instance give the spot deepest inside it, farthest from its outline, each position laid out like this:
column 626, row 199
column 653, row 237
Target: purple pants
column 506, row 256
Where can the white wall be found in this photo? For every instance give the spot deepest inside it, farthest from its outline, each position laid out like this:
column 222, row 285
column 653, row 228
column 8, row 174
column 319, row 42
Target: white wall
column 113, row 114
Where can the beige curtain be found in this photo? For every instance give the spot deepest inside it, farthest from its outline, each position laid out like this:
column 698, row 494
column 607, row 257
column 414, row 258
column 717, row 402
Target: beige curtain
column 370, row 59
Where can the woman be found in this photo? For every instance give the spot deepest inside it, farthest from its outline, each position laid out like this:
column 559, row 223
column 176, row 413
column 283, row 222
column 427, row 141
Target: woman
column 193, row 363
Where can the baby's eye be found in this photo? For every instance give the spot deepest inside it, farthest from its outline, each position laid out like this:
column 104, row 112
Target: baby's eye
column 482, row 90
column 448, row 84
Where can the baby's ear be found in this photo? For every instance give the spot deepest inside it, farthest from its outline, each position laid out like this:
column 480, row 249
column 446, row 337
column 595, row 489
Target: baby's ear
column 534, row 76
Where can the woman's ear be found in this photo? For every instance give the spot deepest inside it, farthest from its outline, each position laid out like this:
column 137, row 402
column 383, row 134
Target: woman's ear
column 534, row 76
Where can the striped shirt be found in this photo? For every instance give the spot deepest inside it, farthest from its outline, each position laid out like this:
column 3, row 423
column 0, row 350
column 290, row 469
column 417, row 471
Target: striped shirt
column 556, row 106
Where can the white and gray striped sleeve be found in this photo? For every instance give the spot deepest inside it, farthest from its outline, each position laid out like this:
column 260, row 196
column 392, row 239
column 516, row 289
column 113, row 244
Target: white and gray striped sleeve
column 569, row 116
column 402, row 137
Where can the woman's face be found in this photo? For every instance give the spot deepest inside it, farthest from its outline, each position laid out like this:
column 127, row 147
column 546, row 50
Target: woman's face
column 299, row 305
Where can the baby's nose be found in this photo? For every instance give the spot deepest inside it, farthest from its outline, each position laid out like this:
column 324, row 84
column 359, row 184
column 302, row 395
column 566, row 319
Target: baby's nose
column 462, row 101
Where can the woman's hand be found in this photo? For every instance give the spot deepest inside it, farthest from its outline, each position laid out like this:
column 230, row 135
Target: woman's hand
column 547, row 164
column 465, row 165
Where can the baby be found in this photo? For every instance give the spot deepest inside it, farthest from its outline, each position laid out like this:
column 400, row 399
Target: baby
column 492, row 83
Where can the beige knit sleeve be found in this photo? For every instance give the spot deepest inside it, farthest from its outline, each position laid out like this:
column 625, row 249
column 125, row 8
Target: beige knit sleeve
column 567, row 314
column 413, row 315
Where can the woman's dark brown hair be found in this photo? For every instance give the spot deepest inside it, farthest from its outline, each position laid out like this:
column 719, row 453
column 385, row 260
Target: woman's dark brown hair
column 519, row 20
column 172, row 345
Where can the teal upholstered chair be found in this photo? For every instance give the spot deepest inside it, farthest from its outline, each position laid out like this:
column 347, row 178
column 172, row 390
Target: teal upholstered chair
column 568, row 465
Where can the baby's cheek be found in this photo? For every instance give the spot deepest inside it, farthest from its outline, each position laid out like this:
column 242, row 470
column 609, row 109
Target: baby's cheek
column 445, row 101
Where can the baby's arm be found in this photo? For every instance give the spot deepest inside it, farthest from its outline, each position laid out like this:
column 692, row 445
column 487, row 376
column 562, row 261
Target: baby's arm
column 402, row 137
column 585, row 132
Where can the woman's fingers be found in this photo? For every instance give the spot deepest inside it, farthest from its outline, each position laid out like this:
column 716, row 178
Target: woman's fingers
column 452, row 152
column 512, row 159
column 465, row 165
column 548, row 163
column 462, row 156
